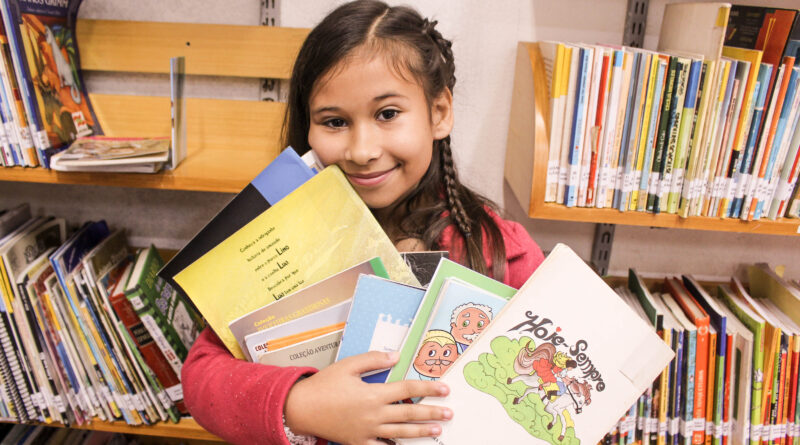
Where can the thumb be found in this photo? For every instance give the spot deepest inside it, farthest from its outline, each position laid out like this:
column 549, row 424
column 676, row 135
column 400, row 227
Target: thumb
column 370, row 361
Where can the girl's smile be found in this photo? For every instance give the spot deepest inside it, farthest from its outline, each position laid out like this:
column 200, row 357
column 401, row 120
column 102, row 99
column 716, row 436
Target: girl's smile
column 370, row 179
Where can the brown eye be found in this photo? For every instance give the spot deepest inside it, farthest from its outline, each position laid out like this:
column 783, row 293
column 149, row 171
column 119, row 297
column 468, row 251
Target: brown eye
column 387, row 115
column 335, row 123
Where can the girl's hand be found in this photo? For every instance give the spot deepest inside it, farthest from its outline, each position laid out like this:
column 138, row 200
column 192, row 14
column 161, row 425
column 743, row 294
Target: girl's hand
column 337, row 405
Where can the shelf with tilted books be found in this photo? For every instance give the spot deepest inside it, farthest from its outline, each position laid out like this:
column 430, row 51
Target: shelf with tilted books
column 527, row 158
column 187, row 428
column 228, row 141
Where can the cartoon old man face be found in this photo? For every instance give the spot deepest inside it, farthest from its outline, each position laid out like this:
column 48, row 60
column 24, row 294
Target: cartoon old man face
column 437, row 353
column 468, row 321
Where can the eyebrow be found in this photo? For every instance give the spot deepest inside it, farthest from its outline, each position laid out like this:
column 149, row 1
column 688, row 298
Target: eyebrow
column 374, row 99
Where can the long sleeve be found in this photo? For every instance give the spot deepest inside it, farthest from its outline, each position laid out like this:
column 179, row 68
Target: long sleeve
column 238, row 401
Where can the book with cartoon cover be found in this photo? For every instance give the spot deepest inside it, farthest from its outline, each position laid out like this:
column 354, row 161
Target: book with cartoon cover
column 554, row 366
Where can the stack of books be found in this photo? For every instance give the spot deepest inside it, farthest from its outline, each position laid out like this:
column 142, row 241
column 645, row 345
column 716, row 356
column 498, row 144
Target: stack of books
column 705, row 126
column 734, row 378
column 308, row 277
column 87, row 329
column 43, row 100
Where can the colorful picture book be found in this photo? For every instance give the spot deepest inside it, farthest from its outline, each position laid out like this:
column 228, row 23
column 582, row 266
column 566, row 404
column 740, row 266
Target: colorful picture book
column 550, row 369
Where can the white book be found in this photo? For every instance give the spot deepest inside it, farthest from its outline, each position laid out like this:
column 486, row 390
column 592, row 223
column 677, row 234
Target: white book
column 560, row 317
column 610, row 130
column 554, row 55
column 589, row 128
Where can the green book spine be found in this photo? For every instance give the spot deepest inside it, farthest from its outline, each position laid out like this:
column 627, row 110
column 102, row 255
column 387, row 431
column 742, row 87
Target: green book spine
column 663, row 123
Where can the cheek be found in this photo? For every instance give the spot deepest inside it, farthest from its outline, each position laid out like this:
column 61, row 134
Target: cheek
column 328, row 147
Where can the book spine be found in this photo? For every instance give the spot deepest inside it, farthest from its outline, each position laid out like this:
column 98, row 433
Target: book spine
column 706, row 91
column 149, row 350
column 563, row 166
column 25, row 152
column 605, row 173
column 711, row 142
column 663, row 125
column 673, row 128
column 633, row 133
column 587, row 148
column 556, row 122
column 655, row 114
column 145, row 313
column 687, row 423
column 688, row 119
column 576, row 136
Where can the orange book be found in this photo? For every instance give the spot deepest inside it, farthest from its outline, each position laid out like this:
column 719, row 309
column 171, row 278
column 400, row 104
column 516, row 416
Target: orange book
column 700, row 318
column 712, row 360
column 727, row 403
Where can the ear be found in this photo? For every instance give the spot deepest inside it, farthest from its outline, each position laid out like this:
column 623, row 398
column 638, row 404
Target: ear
column 442, row 115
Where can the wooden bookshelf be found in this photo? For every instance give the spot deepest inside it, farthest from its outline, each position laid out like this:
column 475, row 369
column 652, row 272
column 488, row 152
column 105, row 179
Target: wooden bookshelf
column 526, row 164
column 228, row 141
column 187, row 428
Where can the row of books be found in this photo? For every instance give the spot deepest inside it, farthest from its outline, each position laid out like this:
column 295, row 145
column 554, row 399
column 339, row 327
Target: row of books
column 316, row 280
column 734, row 377
column 705, row 126
column 87, row 329
column 42, row 435
column 43, row 100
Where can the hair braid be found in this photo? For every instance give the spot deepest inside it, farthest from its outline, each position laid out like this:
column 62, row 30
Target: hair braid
column 454, row 203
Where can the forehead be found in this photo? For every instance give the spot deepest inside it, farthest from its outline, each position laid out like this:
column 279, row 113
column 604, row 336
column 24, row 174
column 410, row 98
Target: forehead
column 368, row 74
column 470, row 310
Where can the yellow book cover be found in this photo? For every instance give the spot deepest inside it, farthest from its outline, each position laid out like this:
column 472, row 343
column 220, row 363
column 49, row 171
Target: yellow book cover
column 740, row 135
column 558, row 90
column 316, row 231
column 663, row 395
column 649, row 108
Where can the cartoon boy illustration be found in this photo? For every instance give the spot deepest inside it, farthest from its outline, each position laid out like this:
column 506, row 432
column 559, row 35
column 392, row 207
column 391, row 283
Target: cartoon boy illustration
column 437, row 353
column 552, row 373
column 467, row 321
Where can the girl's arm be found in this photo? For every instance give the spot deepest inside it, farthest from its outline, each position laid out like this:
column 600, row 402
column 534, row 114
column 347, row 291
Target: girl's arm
column 238, row 401
column 244, row 402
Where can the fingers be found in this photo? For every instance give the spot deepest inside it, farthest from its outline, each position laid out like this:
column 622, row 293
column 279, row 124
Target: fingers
column 412, row 412
column 369, row 361
column 407, row 389
column 410, row 430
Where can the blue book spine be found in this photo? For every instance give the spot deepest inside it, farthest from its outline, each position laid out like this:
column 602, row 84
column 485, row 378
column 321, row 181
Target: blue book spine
column 576, row 139
column 677, row 393
column 687, row 410
column 760, row 93
column 776, row 142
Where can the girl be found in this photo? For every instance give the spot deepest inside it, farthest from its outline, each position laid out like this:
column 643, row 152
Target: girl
column 372, row 92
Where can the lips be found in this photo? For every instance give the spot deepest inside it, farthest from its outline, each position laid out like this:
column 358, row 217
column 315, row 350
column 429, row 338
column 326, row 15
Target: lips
column 370, row 179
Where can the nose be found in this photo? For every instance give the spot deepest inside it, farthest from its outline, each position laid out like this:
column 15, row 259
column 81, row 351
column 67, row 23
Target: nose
column 364, row 146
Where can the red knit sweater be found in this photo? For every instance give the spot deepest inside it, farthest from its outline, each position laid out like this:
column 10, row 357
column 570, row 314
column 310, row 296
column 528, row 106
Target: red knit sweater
column 242, row 402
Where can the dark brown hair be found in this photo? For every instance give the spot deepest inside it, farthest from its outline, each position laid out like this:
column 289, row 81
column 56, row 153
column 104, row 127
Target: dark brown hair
column 418, row 49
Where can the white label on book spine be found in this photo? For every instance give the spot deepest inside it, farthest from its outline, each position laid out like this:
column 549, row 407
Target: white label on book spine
column 10, row 133
column 677, row 184
column 699, row 424
column 781, row 431
column 139, row 403
column 761, row 190
column 727, row 428
column 755, row 433
column 38, row 400
column 175, row 392
column 797, row 429
column 155, row 332
column 742, row 186
column 640, row 423
column 552, row 171
column 674, row 426
column 652, row 425
column 574, row 174
column 628, row 183
column 42, row 141
column 709, row 429
column 662, row 428
column 58, row 401
column 562, row 175
column 136, row 302
column 666, row 183
column 164, row 399
column 718, row 430
column 686, row 428
column 652, row 187
column 784, row 192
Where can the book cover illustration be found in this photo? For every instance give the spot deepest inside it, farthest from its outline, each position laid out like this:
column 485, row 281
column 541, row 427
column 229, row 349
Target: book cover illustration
column 423, row 264
column 461, row 313
column 317, row 230
column 379, row 319
column 556, row 325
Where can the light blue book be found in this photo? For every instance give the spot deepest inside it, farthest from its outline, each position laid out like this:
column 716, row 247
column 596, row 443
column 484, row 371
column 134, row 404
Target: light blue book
column 786, row 110
column 380, row 315
column 461, row 312
column 576, row 140
column 627, row 149
column 760, row 93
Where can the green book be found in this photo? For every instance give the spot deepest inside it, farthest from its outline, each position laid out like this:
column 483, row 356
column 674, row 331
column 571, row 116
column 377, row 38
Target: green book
column 663, row 124
column 447, row 269
column 169, row 319
column 732, row 297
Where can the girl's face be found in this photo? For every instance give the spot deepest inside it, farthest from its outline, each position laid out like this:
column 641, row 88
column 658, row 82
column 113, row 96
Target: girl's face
column 377, row 127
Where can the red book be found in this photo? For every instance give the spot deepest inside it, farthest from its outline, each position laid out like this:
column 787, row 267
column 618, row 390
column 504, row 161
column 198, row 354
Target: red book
column 150, row 352
column 700, row 318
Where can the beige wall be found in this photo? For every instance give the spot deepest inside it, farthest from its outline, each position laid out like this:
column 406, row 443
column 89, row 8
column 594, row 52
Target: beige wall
column 484, row 35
